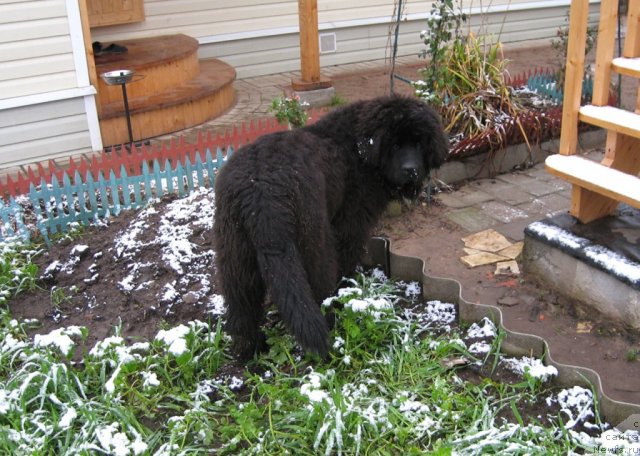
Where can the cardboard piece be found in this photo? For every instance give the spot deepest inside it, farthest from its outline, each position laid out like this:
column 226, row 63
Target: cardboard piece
column 507, row 268
column 513, row 251
column 482, row 258
column 488, row 241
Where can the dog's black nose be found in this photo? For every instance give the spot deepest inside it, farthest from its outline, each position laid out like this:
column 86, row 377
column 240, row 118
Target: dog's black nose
column 411, row 172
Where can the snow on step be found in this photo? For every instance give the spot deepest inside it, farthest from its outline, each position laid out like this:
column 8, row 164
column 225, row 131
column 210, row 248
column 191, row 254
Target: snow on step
column 612, row 118
column 628, row 66
column 596, row 177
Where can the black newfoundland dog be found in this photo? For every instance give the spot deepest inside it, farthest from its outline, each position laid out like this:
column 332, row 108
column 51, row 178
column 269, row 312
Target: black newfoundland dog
column 294, row 210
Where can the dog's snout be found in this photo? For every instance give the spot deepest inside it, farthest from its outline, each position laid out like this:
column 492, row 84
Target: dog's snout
column 411, row 172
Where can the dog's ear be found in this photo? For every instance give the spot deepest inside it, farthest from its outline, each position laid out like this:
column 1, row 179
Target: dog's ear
column 392, row 120
column 435, row 146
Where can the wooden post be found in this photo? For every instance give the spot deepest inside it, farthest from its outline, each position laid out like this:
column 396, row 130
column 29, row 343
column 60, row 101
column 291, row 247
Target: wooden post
column 309, row 44
column 309, row 48
column 574, row 74
column 605, row 52
column 91, row 62
column 632, row 40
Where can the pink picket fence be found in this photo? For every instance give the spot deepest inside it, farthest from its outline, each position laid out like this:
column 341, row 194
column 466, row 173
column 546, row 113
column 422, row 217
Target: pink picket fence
column 117, row 159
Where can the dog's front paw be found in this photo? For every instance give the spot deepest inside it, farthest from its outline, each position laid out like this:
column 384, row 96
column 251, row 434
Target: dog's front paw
column 245, row 348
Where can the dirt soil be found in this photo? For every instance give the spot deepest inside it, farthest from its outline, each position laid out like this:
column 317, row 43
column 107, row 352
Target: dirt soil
column 99, row 283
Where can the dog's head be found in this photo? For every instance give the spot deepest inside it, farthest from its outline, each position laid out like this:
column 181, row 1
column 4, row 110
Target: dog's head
column 404, row 139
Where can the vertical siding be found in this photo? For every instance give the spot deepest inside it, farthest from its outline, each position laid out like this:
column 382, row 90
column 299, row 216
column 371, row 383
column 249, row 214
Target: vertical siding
column 35, row 48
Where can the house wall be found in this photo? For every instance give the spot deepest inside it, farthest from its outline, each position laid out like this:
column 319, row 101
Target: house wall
column 43, row 131
column 35, row 48
column 259, row 37
column 47, row 107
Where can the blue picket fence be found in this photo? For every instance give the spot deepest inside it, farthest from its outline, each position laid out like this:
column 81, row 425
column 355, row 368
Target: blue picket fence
column 545, row 85
column 58, row 205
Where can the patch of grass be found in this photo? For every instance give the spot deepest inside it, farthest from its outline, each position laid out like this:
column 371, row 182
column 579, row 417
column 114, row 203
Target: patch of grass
column 337, row 100
column 58, row 297
column 18, row 273
column 386, row 388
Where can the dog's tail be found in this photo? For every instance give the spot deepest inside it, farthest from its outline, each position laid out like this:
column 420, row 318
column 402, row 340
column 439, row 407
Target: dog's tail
column 288, row 285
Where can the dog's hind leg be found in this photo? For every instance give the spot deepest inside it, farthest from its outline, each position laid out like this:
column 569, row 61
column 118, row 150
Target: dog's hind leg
column 244, row 292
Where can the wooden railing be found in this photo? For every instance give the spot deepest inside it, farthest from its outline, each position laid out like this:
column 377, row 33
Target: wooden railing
column 598, row 188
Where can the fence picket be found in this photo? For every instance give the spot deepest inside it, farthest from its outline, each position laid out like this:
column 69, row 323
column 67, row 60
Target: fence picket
column 106, row 184
column 115, row 193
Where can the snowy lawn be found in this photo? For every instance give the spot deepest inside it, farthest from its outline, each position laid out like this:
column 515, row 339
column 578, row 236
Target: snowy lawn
column 403, row 378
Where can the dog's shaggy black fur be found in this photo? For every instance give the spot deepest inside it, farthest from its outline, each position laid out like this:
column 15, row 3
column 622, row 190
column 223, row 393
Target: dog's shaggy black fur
column 295, row 209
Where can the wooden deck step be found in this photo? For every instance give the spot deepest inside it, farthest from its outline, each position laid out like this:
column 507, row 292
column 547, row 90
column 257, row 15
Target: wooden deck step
column 191, row 103
column 611, row 118
column 160, row 63
column 627, row 66
column 214, row 75
column 595, row 177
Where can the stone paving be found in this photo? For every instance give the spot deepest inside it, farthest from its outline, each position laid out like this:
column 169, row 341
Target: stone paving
column 509, row 202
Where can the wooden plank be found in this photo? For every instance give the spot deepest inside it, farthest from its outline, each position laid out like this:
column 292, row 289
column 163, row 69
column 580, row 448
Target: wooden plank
column 611, row 118
column 114, row 12
column 621, row 153
column 607, row 29
column 627, row 66
column 596, row 178
column 574, row 75
column 309, row 45
column 88, row 48
column 588, row 206
column 632, row 40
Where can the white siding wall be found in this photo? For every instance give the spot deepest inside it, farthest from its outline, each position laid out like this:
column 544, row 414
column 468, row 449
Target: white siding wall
column 35, row 48
column 260, row 37
column 44, row 131
column 47, row 109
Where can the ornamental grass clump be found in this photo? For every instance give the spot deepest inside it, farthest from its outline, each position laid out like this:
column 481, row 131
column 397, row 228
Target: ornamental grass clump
column 465, row 77
column 473, row 95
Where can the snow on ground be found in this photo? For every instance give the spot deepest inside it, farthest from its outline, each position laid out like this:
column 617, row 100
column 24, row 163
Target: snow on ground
column 177, row 224
column 606, row 258
column 365, row 399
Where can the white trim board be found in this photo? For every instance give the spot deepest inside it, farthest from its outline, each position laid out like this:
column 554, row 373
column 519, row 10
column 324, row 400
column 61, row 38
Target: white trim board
column 27, row 100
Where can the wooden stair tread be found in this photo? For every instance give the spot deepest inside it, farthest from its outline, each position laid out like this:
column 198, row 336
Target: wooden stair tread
column 596, row 177
column 627, row 66
column 214, row 75
column 147, row 52
column 611, row 118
